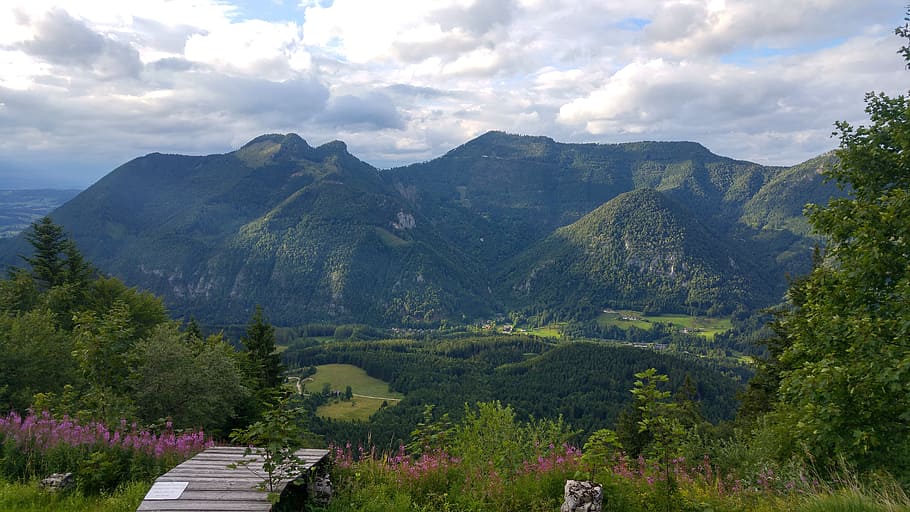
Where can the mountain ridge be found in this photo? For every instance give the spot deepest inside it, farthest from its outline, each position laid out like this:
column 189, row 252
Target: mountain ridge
column 316, row 234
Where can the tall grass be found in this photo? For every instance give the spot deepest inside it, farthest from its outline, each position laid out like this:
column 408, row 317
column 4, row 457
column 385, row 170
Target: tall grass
column 27, row 497
column 368, row 481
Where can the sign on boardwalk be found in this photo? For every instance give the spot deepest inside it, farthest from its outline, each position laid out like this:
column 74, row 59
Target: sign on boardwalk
column 208, row 483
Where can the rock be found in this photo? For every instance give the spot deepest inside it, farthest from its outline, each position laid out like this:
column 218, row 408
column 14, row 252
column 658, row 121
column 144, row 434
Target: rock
column 321, row 490
column 582, row 496
column 58, row 482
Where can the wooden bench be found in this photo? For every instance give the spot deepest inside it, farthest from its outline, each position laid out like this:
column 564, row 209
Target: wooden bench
column 207, row 483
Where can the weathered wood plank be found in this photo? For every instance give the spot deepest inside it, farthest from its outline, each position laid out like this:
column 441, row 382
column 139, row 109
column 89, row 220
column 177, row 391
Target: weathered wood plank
column 213, row 486
column 223, row 495
column 195, row 506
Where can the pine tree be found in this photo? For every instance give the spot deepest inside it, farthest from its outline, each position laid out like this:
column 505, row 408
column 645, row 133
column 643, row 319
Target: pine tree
column 265, row 363
column 48, row 241
column 55, row 259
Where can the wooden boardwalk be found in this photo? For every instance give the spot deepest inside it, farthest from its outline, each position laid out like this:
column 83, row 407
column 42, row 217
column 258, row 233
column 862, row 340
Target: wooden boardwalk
column 206, row 483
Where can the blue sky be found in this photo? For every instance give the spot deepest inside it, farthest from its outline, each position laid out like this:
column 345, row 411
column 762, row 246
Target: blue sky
column 87, row 86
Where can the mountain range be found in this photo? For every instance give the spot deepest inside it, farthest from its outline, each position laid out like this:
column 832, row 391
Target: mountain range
column 501, row 223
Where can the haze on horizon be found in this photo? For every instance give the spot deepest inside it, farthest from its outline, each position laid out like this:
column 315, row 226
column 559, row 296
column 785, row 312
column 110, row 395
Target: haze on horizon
column 85, row 87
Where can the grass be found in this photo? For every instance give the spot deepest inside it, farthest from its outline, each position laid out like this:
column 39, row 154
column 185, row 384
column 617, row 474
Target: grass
column 27, row 497
column 390, row 240
column 357, row 409
column 699, row 325
column 338, row 376
column 547, row 331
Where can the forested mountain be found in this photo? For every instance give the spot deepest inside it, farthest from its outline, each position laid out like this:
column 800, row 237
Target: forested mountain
column 500, row 223
column 642, row 251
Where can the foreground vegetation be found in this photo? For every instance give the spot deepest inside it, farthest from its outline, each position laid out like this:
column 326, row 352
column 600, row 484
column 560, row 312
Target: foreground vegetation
column 435, row 483
column 27, row 497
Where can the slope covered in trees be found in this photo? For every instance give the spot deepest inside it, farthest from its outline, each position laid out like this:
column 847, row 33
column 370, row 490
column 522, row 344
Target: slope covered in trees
column 641, row 251
column 313, row 234
column 76, row 343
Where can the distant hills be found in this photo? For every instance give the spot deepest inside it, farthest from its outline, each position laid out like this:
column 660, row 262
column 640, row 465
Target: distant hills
column 19, row 208
column 501, row 223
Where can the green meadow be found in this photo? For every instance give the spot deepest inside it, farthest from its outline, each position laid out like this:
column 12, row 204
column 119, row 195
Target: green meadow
column 698, row 325
column 369, row 393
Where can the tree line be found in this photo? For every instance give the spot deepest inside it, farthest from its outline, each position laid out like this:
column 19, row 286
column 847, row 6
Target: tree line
column 76, row 342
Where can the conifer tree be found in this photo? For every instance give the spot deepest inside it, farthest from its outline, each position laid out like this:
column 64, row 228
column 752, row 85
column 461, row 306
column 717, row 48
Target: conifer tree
column 265, row 363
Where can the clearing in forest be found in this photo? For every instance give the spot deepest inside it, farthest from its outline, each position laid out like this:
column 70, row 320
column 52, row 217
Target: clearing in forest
column 699, row 325
column 368, row 393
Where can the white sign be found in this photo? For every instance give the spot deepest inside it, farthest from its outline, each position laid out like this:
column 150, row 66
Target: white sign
column 166, row 490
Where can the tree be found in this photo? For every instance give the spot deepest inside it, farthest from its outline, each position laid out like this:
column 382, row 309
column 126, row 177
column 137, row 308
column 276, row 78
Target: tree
column 600, row 449
column 55, row 259
column 101, row 343
column 845, row 358
column 659, row 417
column 276, row 438
column 196, row 384
column 35, row 357
column 48, row 241
column 265, row 363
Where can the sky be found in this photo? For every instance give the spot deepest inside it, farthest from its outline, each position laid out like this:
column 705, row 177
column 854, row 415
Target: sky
column 86, row 86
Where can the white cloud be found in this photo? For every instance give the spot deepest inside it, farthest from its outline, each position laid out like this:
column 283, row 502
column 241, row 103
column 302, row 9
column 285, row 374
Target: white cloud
column 407, row 80
column 251, row 47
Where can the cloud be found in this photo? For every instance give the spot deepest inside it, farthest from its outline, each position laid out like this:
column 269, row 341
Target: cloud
column 160, row 36
column 407, row 80
column 477, row 18
column 372, row 111
column 63, row 40
column 252, row 47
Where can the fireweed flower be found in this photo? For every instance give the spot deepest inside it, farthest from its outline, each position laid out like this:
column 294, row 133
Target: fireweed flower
column 42, row 432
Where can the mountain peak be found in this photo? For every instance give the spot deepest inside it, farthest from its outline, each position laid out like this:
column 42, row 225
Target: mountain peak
column 274, row 147
column 276, row 138
column 496, row 144
column 334, row 147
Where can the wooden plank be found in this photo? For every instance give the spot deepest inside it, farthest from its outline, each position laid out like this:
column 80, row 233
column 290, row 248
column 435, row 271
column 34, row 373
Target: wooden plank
column 212, row 485
column 180, row 505
column 223, row 495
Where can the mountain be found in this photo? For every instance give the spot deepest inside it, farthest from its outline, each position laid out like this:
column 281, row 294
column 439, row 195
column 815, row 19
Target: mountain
column 306, row 232
column 499, row 223
column 640, row 250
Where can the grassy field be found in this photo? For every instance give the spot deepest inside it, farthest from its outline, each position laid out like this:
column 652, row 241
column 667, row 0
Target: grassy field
column 26, row 497
column 369, row 393
column 390, row 240
column 700, row 325
column 547, row 331
column 357, row 409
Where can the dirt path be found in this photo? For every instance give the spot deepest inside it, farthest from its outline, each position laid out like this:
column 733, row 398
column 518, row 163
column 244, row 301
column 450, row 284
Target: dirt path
column 376, row 397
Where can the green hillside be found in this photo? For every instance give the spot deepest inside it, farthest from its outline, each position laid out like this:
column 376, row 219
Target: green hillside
column 639, row 251
column 502, row 223
column 307, row 232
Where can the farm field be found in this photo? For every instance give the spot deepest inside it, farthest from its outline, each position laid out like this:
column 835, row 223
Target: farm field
column 369, row 393
column 547, row 331
column 357, row 409
column 699, row 325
